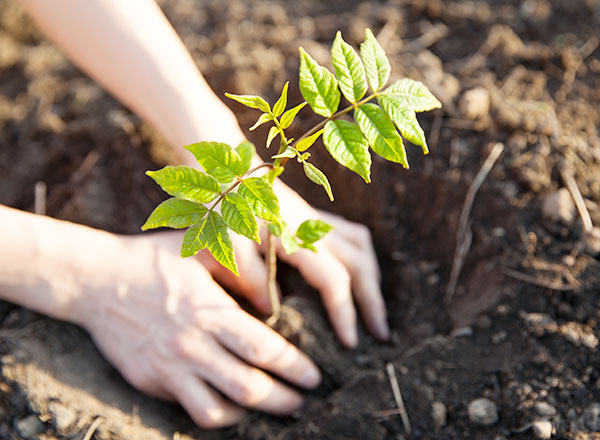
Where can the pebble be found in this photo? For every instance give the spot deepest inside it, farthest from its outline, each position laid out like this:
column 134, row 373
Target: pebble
column 542, row 429
column 483, row 411
column 474, row 103
column 544, row 409
column 63, row 417
column 559, row 207
column 591, row 417
column 30, row 426
column 438, row 415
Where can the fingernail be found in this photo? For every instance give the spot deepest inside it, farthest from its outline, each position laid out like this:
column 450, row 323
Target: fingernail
column 311, row 378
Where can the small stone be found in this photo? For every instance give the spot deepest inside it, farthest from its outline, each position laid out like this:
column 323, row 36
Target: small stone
column 591, row 242
column 484, row 322
column 499, row 337
column 474, row 103
column 483, row 411
column 30, row 426
column 438, row 415
column 559, row 207
column 63, row 417
column 544, row 409
column 591, row 417
column 542, row 429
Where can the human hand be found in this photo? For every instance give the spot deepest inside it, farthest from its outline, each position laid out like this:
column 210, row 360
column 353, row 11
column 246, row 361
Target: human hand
column 174, row 333
column 345, row 264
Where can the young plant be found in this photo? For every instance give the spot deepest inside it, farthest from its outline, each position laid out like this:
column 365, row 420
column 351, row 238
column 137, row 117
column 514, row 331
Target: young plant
column 229, row 183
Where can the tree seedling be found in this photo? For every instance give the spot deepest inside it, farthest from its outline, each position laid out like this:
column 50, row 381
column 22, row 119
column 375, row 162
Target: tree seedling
column 229, row 183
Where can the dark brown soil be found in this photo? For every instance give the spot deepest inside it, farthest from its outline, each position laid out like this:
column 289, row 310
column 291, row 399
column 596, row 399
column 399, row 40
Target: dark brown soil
column 524, row 322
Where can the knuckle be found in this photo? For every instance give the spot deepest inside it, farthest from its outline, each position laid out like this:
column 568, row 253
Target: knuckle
column 206, row 419
column 363, row 235
column 245, row 394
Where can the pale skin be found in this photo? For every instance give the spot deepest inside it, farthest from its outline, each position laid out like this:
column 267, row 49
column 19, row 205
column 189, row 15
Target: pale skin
column 167, row 323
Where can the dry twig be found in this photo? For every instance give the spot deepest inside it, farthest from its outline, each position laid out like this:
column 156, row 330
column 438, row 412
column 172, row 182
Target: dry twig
column 39, row 202
column 577, row 198
column 464, row 235
column 92, row 429
column 542, row 283
column 398, row 396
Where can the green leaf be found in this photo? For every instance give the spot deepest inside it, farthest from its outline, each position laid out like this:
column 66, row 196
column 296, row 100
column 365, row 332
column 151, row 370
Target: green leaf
column 279, row 106
column 193, row 241
column 289, row 116
column 311, row 231
column 176, row 214
column 251, row 101
column 381, row 133
column 289, row 153
column 317, row 176
column 347, row 145
column 349, row 69
column 218, row 159
column 309, row 246
column 246, row 151
column 306, row 143
column 273, row 132
column 288, row 241
column 214, row 236
column 259, row 193
column 414, row 94
column 265, row 117
column 238, row 215
column 186, row 183
column 405, row 119
column 376, row 62
column 318, row 86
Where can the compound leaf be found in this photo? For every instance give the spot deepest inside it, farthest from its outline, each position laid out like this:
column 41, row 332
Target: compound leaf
column 246, row 151
column 273, row 132
column 265, row 117
column 176, row 214
column 347, row 145
column 218, row 159
column 349, row 69
column 311, row 231
column 405, row 119
column 186, row 183
column 376, row 62
column 288, row 117
column 381, row 133
column 317, row 176
column 318, row 86
column 259, row 193
column 238, row 215
column 306, row 143
column 251, row 101
column 414, row 94
column 279, row 106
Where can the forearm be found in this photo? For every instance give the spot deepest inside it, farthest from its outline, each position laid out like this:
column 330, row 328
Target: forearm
column 48, row 265
column 131, row 49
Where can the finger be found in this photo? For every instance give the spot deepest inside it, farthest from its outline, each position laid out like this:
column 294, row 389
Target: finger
column 242, row 383
column 252, row 282
column 204, row 405
column 365, row 285
column 327, row 274
column 260, row 346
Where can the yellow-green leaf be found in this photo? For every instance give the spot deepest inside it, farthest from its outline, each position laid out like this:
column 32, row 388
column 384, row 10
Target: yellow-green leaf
column 186, row 183
column 347, row 145
column 246, row 151
column 238, row 215
column 349, row 69
column 414, row 94
column 193, row 241
column 405, row 119
column 317, row 176
column 259, row 194
column 311, row 231
column 265, row 117
column 251, row 101
column 218, row 159
column 288, row 117
column 279, row 106
column 381, row 133
column 273, row 132
column 306, row 143
column 376, row 62
column 318, row 86
column 176, row 214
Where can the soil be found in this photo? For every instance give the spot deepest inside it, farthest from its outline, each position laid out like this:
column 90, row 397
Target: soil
column 523, row 323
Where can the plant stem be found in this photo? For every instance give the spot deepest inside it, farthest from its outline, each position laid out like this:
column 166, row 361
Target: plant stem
column 238, row 181
column 271, row 257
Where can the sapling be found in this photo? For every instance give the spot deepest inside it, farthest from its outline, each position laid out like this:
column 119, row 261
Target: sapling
column 229, row 193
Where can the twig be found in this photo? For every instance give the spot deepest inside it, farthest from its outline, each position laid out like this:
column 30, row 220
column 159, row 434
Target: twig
column 438, row 117
column 398, row 396
column 531, row 280
column 463, row 233
column 92, row 429
column 429, row 38
column 271, row 258
column 577, row 198
column 39, row 202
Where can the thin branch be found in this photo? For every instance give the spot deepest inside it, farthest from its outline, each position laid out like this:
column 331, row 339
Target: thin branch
column 90, row 432
column 577, row 198
column 542, row 283
column 463, row 233
column 238, row 181
column 271, row 258
column 398, row 396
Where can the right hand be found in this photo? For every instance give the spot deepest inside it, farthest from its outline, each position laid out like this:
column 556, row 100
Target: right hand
column 174, row 333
